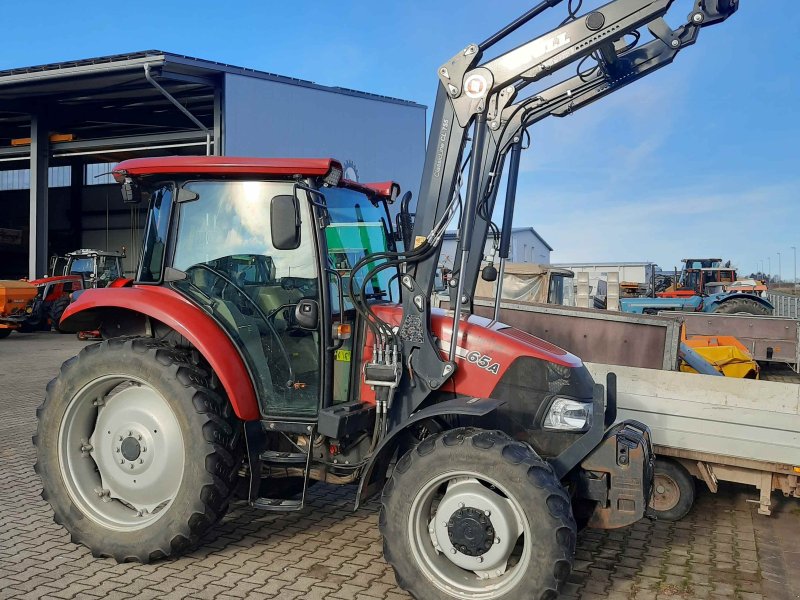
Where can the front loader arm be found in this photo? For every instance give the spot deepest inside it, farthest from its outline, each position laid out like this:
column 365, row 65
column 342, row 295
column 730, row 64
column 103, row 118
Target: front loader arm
column 475, row 97
column 508, row 122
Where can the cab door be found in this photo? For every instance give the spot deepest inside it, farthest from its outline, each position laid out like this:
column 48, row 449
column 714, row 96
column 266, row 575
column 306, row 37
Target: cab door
column 253, row 289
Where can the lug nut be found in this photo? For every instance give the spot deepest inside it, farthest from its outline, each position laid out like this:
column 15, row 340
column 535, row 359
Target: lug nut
column 141, row 461
column 122, row 461
column 453, row 550
column 117, row 449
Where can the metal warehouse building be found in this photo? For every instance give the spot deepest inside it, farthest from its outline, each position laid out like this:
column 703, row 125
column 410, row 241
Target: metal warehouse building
column 527, row 246
column 63, row 127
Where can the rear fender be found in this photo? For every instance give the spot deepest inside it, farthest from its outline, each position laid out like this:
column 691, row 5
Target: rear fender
column 125, row 311
column 375, row 472
column 714, row 300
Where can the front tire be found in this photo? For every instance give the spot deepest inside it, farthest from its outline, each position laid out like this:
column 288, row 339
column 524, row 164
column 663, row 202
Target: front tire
column 470, row 513
column 138, row 456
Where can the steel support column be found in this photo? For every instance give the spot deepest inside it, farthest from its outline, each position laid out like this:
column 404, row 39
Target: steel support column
column 219, row 124
column 39, row 182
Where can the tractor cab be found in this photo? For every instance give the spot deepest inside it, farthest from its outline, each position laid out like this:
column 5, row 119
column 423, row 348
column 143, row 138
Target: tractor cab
column 97, row 268
column 701, row 276
column 270, row 259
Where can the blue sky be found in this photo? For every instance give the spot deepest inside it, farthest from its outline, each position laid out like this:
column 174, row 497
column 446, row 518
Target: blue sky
column 701, row 158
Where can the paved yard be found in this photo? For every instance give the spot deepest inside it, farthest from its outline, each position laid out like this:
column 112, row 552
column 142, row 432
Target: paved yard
column 722, row 550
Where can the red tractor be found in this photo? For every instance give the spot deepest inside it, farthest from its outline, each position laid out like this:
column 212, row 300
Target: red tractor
column 78, row 270
column 279, row 333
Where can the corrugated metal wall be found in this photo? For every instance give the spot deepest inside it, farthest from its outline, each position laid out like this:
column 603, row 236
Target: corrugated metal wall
column 378, row 139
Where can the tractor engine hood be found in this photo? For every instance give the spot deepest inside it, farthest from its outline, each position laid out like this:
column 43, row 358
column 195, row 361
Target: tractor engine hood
column 495, row 360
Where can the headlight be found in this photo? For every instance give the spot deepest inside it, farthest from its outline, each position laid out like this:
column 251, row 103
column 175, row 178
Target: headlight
column 568, row 415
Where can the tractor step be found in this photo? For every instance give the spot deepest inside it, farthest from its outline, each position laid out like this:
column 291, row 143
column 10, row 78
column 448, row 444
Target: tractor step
column 274, row 457
column 277, row 505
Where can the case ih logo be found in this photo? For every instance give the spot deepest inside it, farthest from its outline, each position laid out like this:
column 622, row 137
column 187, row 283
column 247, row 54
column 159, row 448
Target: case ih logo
column 475, row 86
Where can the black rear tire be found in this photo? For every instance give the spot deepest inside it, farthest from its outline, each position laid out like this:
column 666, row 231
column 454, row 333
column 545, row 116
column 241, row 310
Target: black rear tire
column 520, row 475
column 673, row 491
column 57, row 309
column 742, row 306
column 211, row 449
column 4, row 333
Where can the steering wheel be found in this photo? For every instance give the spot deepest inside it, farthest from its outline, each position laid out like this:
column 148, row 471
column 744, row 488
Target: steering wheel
column 254, row 304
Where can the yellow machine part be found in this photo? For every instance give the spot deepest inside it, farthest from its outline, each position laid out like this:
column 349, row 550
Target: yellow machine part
column 725, row 353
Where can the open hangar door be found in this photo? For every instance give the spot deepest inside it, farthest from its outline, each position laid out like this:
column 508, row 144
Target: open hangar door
column 65, row 124
column 62, row 129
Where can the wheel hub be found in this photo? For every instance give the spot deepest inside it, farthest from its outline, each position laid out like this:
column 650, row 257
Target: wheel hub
column 666, row 493
column 475, row 527
column 470, row 531
column 130, row 446
column 138, row 448
column 131, row 449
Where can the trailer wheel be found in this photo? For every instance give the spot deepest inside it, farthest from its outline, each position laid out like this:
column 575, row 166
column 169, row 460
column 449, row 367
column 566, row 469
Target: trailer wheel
column 673, row 491
column 742, row 306
column 470, row 513
column 138, row 455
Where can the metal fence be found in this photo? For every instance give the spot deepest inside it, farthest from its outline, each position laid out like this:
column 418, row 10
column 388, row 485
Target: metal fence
column 785, row 305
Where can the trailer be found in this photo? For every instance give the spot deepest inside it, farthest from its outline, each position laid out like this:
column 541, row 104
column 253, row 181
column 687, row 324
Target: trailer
column 707, row 429
column 712, row 429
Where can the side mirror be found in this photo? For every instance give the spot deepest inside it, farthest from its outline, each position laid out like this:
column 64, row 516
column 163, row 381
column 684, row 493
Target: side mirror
column 131, row 193
column 306, row 313
column 285, row 222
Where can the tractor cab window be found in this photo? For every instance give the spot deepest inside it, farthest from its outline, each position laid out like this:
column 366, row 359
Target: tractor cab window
column 107, row 270
column 155, row 235
column 224, row 245
column 357, row 228
column 82, row 266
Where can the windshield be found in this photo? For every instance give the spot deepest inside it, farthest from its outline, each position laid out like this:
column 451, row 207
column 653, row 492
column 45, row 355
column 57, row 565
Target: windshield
column 81, row 266
column 358, row 227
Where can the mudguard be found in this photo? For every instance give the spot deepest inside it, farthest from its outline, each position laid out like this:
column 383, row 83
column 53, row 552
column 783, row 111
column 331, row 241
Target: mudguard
column 115, row 309
column 470, row 407
column 714, row 300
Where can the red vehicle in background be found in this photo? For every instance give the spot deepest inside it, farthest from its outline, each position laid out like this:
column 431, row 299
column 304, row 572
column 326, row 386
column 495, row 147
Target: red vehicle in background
column 78, row 270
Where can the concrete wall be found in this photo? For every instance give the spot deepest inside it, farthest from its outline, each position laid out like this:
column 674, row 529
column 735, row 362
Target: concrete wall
column 381, row 139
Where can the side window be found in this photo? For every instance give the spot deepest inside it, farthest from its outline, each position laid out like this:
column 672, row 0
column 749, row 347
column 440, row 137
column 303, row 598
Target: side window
column 155, row 235
column 224, row 244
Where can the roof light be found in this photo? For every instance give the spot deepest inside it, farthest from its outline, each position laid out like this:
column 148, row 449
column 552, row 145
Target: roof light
column 55, row 138
column 334, row 175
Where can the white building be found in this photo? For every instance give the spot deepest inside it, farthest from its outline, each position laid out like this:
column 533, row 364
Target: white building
column 527, row 246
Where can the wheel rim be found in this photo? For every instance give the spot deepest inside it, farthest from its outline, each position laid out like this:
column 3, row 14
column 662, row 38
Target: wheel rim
column 121, row 452
column 462, row 554
column 666, row 493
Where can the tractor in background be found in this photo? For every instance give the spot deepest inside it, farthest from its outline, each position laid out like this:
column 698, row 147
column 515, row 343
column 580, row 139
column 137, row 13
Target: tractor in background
column 37, row 305
column 704, row 285
column 709, row 276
